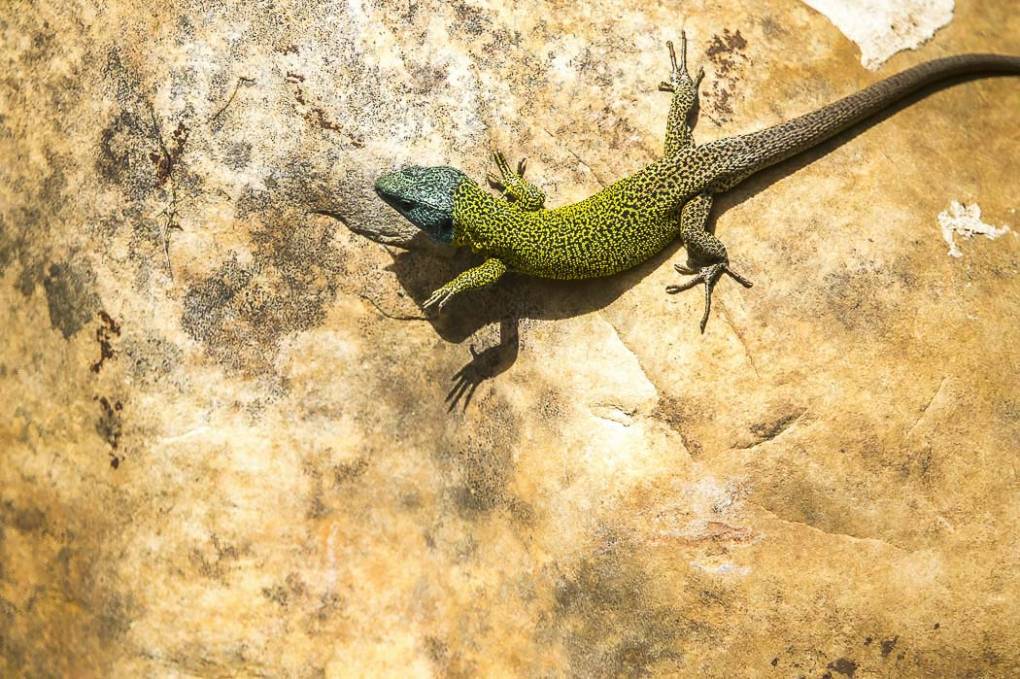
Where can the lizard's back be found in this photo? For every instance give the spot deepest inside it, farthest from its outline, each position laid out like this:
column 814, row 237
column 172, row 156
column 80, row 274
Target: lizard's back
column 609, row 232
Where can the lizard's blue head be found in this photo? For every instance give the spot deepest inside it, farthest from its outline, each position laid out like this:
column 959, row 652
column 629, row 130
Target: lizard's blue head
column 424, row 196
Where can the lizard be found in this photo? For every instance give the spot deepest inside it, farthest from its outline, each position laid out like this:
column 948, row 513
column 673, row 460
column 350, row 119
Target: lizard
column 634, row 218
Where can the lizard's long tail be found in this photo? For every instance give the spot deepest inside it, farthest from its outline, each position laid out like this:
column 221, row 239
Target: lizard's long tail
column 777, row 143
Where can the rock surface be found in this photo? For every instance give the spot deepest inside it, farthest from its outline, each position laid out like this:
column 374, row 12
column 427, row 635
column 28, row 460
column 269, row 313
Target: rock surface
column 882, row 28
column 225, row 436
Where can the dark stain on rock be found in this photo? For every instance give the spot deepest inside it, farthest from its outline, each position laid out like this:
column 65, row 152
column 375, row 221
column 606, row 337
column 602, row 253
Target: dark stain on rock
column 470, row 19
column 170, row 153
column 844, row 666
column 114, row 618
column 70, row 296
column 127, row 147
column 316, row 115
column 859, row 297
column 110, row 424
column 427, row 78
column 437, row 650
column 723, row 47
column 613, row 628
column 8, row 245
column 485, row 473
column 238, row 155
column 25, row 520
column 888, row 645
column 240, row 312
column 105, row 333
column 725, row 51
column 277, row 594
column 483, row 464
column 346, row 472
column 214, row 563
column 519, row 511
column 770, row 429
column 25, row 231
column 20, row 241
column 675, row 413
column 41, row 47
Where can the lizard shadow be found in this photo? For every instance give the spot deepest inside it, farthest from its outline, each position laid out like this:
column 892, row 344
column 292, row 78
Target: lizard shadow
column 517, row 297
column 509, row 301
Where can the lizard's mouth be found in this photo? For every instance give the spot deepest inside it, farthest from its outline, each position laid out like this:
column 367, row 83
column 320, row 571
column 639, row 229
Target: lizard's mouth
column 437, row 224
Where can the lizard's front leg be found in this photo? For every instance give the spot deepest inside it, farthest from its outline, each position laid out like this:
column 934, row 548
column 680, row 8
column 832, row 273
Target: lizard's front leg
column 514, row 186
column 703, row 247
column 485, row 273
column 685, row 97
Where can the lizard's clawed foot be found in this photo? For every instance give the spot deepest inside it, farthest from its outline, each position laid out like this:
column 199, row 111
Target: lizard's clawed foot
column 438, row 299
column 679, row 77
column 709, row 275
column 506, row 176
column 514, row 187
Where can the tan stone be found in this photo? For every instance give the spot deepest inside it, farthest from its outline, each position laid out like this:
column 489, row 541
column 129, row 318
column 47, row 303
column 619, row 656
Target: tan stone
column 250, row 467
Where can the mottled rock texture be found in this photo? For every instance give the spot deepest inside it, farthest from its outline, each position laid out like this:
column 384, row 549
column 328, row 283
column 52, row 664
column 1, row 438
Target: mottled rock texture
column 248, row 467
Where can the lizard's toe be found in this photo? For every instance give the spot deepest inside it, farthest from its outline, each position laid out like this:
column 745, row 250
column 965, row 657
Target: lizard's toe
column 437, row 299
column 709, row 275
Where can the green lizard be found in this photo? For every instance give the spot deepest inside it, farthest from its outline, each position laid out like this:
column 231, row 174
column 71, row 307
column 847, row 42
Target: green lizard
column 633, row 219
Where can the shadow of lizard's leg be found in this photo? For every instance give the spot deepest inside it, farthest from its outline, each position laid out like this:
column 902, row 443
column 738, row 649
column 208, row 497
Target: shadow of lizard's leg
column 685, row 97
column 705, row 248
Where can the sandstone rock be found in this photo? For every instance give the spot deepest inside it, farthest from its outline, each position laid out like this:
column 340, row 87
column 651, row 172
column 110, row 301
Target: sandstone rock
column 227, row 443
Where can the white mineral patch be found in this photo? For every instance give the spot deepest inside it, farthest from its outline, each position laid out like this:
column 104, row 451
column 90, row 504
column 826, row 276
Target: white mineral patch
column 965, row 220
column 881, row 28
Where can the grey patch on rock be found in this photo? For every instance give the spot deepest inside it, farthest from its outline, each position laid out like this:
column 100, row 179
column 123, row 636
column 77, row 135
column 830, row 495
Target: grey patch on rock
column 70, row 296
column 678, row 414
column 484, row 465
column 24, row 233
column 241, row 312
column 24, row 520
column 8, row 245
column 857, row 297
column 129, row 154
column 238, row 155
column 612, row 627
column 151, row 358
column 114, row 618
column 485, row 473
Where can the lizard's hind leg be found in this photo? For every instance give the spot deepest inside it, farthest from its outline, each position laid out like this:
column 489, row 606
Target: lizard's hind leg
column 703, row 247
column 685, row 96
column 514, row 186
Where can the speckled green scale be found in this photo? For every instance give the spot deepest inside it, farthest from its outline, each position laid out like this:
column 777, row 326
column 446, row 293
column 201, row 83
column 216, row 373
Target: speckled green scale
column 602, row 235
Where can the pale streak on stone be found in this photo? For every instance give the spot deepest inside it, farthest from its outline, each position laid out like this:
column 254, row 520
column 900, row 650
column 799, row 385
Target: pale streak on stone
column 881, row 28
column 176, row 438
column 725, row 568
column 613, row 413
column 965, row 220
